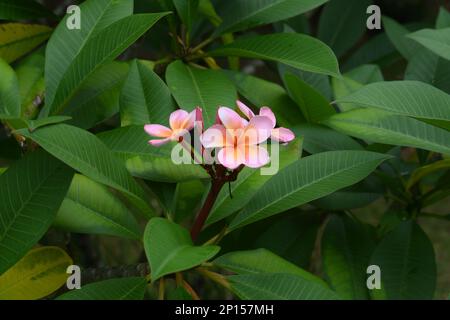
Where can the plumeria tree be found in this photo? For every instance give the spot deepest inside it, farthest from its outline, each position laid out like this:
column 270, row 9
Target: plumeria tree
column 212, row 149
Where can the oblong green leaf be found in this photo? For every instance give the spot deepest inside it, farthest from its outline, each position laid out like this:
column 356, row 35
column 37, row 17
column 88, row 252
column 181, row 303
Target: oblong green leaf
column 39, row 273
column 397, row 36
column 89, row 207
column 145, row 161
column 346, row 249
column 438, row 41
column 31, row 191
column 407, row 263
column 240, row 15
column 145, row 98
column 296, row 50
column 278, row 286
column 9, row 92
column 17, row 39
column 169, row 248
column 193, row 87
column 411, row 98
column 84, row 152
column 112, row 289
column 308, row 179
column 383, row 127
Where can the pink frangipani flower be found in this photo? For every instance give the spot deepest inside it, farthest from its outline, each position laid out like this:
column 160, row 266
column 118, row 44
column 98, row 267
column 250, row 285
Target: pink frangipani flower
column 238, row 139
column 283, row 135
column 181, row 122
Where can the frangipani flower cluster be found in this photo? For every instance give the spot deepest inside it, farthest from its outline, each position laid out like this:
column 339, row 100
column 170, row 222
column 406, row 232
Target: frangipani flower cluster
column 237, row 141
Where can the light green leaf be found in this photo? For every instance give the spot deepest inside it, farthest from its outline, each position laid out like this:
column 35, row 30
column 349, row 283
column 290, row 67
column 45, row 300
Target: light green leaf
column 383, row 127
column 306, row 180
column 107, row 43
column 296, row 50
column 145, row 98
column 89, row 207
column 249, row 182
column 313, row 105
column 346, row 249
column 9, row 92
column 84, row 152
column 193, row 87
column 31, row 191
column 443, row 19
column 169, row 248
column 187, row 11
column 39, row 273
column 342, row 23
column 278, row 286
column 112, row 289
column 17, row 39
column 23, row 10
column 411, row 98
column 438, row 41
column 397, row 35
column 407, row 262
column 145, row 161
column 318, row 138
column 262, row 261
column 366, row 73
column 241, row 15
column 98, row 97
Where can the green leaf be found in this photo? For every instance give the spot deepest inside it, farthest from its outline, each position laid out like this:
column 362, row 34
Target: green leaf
column 366, row 73
column 411, row 98
column 193, row 87
column 17, row 39
column 206, row 8
column 278, row 286
column 145, row 98
column 31, row 191
column 262, row 261
column 89, row 207
column 9, row 92
column 84, row 152
column 318, row 139
column 356, row 196
column 241, row 15
column 346, row 249
column 443, row 19
column 22, row 10
column 261, row 92
column 98, row 97
column 343, row 23
column 438, row 41
column 169, row 248
column 296, row 50
column 397, row 35
column 383, row 127
column 314, row 106
column 187, row 10
column 39, row 273
column 308, row 179
column 407, row 262
column 249, row 182
column 38, row 123
column 142, row 160
column 187, row 199
column 63, row 79
column 112, row 289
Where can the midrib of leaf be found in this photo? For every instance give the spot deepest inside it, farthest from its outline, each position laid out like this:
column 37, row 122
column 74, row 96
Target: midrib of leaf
column 98, row 214
column 198, row 92
column 37, row 35
column 27, row 200
column 129, row 292
column 169, row 257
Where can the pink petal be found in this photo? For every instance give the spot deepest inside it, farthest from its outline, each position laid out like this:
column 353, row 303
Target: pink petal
column 157, row 130
column 245, row 110
column 230, row 118
column 189, row 122
column 257, row 131
column 158, row 142
column 178, row 118
column 267, row 112
column 215, row 137
column 255, row 156
column 282, row 135
column 230, row 157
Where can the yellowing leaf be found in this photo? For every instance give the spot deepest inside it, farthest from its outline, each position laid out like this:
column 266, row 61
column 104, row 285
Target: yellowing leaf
column 17, row 39
column 39, row 273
